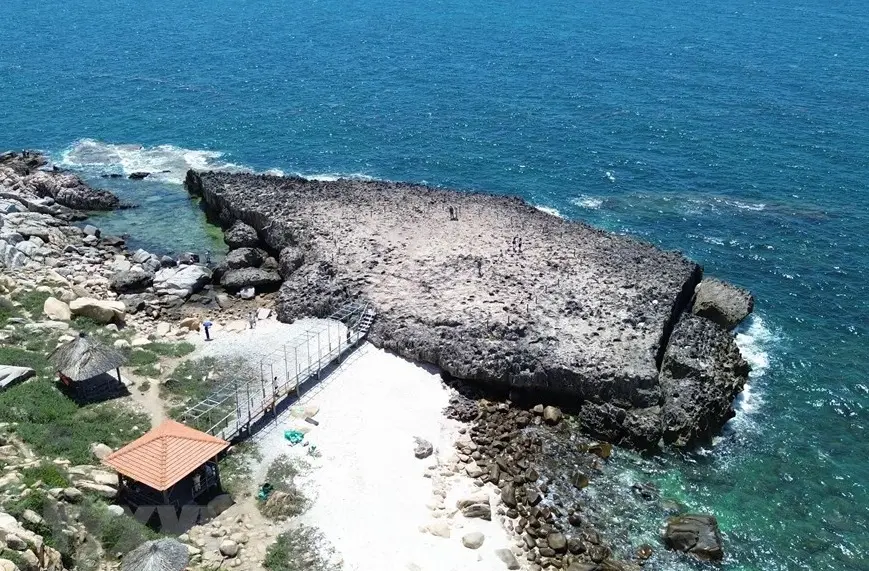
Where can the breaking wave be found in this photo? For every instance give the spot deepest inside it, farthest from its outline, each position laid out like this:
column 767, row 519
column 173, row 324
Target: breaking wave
column 548, row 210
column 165, row 163
column 755, row 341
column 589, row 202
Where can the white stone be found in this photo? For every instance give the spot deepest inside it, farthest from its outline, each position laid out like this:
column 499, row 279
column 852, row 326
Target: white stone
column 57, row 310
column 121, row 344
column 228, row 548
column 98, row 310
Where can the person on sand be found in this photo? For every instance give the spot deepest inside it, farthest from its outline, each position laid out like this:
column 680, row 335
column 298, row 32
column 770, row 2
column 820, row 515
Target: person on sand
column 207, row 326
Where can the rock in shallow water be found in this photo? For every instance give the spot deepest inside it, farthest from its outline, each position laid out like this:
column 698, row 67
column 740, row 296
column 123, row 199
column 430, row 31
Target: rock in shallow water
column 721, row 302
column 696, row 534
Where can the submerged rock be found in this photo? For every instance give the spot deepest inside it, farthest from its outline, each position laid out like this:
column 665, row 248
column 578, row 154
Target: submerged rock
column 695, row 534
column 721, row 302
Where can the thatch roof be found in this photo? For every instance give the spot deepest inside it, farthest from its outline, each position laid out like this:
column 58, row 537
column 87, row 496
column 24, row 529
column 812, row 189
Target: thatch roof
column 84, row 358
column 158, row 555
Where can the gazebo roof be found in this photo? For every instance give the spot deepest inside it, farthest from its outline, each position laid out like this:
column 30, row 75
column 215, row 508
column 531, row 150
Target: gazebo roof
column 157, row 555
column 84, row 358
column 165, row 455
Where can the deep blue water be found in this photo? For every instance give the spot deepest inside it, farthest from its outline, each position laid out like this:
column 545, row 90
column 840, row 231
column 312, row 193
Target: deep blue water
column 737, row 132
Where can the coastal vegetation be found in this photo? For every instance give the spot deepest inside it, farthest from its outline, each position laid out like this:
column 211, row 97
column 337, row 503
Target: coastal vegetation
column 302, row 547
column 286, row 498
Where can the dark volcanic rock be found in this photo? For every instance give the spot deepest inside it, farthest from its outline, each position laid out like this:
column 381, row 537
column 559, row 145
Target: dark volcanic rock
column 575, row 313
column 695, row 534
column 250, row 277
column 238, row 259
column 723, row 303
column 240, row 235
column 702, row 373
column 291, row 259
column 131, row 281
column 139, row 175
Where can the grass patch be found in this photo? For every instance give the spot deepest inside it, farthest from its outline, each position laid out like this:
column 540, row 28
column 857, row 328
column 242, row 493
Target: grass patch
column 286, row 500
column 55, row 426
column 117, row 534
column 235, row 473
column 303, row 547
column 144, row 363
column 51, row 476
column 18, row 357
column 7, row 311
column 89, row 326
column 181, row 349
column 33, row 301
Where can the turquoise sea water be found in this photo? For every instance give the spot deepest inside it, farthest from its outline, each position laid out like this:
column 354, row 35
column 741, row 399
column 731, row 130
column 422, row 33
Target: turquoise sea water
column 737, row 132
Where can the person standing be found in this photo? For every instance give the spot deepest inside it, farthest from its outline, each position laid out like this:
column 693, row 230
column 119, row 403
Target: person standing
column 207, row 326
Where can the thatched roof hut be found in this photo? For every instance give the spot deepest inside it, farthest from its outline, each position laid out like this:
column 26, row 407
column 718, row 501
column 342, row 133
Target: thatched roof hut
column 83, row 365
column 84, row 358
column 158, row 555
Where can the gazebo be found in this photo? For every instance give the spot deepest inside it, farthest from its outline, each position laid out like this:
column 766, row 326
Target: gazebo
column 172, row 464
column 83, row 366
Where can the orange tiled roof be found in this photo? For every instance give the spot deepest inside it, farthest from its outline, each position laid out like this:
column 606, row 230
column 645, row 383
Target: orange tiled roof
column 165, row 455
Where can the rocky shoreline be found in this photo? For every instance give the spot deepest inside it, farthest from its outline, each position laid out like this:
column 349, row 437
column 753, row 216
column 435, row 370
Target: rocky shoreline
column 494, row 291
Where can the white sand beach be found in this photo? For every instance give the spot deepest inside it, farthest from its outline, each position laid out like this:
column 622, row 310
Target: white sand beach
column 378, row 505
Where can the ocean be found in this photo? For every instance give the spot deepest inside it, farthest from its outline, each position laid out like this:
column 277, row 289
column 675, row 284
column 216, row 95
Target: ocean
column 736, row 132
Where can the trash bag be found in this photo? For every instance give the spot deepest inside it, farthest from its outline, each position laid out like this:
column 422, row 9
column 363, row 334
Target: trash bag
column 264, row 492
column 294, row 436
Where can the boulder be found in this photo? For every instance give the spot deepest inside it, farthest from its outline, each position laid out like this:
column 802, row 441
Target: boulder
column 228, row 548
column 187, row 279
column 139, row 175
column 188, row 258
column 247, row 293
column 696, row 534
column 6, row 565
column 423, row 448
column 242, row 258
column 140, row 256
column 115, row 510
column 102, row 490
column 240, row 235
column 701, row 374
column 190, row 323
column 72, row 495
column 100, row 450
column 438, row 528
column 250, row 277
column 552, row 415
column 557, row 541
column 219, row 505
column 290, row 260
column 15, row 543
column 725, row 304
column 473, row 540
column 131, row 281
column 481, row 511
column 100, row 311
column 10, row 375
column 91, row 230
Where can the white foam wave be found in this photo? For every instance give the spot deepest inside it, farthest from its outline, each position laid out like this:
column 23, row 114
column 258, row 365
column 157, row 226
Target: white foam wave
column 166, row 163
column 548, row 210
column 589, row 202
column 755, row 341
column 331, row 177
column 747, row 206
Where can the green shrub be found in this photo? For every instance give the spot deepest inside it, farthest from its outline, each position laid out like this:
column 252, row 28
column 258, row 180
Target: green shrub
column 117, row 534
column 7, row 311
column 51, row 475
column 300, row 548
column 282, row 475
column 55, row 426
column 181, row 349
column 33, row 301
column 235, row 469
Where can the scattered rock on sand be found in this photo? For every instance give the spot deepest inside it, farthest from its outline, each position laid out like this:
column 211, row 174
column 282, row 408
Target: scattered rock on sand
column 473, row 540
column 438, row 528
column 696, row 534
column 508, row 558
column 423, row 448
column 228, row 548
column 725, row 304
